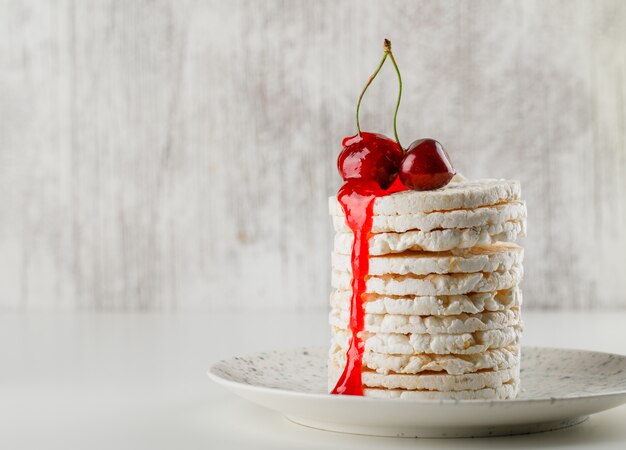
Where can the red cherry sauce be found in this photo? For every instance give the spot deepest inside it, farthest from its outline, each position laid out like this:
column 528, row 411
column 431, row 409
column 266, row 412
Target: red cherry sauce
column 357, row 201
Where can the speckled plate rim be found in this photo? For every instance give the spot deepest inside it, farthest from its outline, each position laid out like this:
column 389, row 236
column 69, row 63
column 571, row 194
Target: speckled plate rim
column 216, row 377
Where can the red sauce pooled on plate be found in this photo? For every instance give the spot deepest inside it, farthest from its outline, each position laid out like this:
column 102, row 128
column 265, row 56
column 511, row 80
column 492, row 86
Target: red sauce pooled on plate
column 357, row 201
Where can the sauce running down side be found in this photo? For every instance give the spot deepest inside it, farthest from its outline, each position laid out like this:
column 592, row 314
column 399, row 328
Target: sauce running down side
column 357, row 201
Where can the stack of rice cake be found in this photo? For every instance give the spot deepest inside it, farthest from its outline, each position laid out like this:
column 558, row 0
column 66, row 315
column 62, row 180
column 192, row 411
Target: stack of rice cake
column 442, row 304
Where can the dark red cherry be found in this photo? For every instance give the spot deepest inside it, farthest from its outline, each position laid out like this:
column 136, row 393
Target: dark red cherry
column 426, row 166
column 370, row 157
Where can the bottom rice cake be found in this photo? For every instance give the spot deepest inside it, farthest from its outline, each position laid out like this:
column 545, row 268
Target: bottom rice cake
column 432, row 381
column 506, row 391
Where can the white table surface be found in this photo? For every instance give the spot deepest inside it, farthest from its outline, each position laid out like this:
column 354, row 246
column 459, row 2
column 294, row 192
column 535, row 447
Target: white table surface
column 137, row 381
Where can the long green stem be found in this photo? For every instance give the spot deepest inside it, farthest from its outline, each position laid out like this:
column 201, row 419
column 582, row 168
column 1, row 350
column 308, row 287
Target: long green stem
column 369, row 81
column 395, row 115
column 387, row 47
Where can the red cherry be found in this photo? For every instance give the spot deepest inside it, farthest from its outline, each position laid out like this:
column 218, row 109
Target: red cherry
column 370, row 157
column 426, row 166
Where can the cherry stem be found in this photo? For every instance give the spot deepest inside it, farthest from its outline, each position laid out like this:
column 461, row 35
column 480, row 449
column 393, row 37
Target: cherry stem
column 369, row 81
column 395, row 115
column 387, row 47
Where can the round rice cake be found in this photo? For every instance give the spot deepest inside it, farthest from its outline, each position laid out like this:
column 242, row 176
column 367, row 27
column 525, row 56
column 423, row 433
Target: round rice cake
column 504, row 392
column 435, row 240
column 490, row 258
column 441, row 344
column 433, row 381
column 492, row 359
column 427, row 221
column 433, row 284
column 403, row 324
column 441, row 382
column 465, row 194
column 432, row 305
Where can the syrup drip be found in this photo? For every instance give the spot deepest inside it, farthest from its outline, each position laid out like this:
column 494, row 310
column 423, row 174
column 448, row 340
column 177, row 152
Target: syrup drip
column 357, row 201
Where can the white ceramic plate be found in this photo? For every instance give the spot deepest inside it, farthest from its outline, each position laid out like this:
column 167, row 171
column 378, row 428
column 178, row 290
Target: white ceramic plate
column 560, row 388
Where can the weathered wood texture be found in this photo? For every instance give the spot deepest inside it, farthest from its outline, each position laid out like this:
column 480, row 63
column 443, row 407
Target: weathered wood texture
column 176, row 154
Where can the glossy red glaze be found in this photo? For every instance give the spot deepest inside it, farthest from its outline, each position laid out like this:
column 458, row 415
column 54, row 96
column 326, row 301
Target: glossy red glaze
column 426, row 166
column 370, row 157
column 357, row 200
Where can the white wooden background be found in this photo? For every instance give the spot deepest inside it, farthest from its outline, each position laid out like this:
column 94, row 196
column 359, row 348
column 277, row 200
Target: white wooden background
column 159, row 155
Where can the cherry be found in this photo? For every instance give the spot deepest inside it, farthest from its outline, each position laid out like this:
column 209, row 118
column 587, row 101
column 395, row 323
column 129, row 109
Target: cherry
column 370, row 156
column 426, row 166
